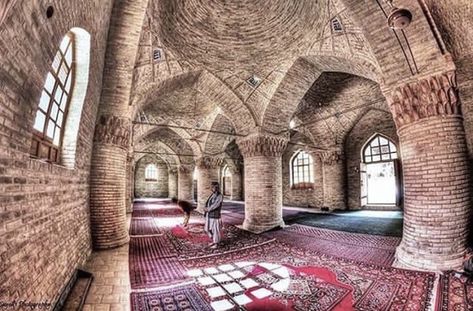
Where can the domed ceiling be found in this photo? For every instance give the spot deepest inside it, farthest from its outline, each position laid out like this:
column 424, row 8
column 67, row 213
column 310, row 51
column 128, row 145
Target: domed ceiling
column 243, row 34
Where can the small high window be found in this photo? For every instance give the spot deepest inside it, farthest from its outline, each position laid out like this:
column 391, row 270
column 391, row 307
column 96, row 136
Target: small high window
column 151, row 172
column 302, row 170
column 379, row 149
column 54, row 103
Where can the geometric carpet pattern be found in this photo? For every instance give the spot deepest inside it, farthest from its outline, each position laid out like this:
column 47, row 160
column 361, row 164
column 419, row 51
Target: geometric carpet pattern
column 172, row 268
column 366, row 248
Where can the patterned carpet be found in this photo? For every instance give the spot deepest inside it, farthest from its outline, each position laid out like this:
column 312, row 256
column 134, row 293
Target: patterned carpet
column 297, row 268
column 456, row 293
column 354, row 246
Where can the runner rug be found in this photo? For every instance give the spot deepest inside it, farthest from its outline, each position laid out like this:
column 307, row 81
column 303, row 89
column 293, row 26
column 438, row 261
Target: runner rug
column 144, row 226
column 354, row 246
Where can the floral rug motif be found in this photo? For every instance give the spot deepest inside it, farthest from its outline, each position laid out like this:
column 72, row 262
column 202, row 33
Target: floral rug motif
column 456, row 293
column 192, row 242
column 291, row 269
column 185, row 298
column 291, row 278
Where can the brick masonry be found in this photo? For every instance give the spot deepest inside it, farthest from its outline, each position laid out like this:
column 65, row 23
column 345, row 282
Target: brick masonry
column 44, row 208
column 47, row 210
column 151, row 188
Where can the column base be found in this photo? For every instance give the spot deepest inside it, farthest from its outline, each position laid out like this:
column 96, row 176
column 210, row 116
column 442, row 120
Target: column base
column 414, row 259
column 99, row 245
column 261, row 227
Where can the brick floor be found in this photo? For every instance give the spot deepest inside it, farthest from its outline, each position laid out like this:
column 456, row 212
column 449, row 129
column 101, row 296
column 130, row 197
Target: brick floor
column 110, row 290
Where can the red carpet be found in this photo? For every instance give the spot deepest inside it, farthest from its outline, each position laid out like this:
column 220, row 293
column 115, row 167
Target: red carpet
column 307, row 280
column 144, row 226
column 192, row 242
column 291, row 269
column 354, row 246
column 456, row 293
column 153, row 262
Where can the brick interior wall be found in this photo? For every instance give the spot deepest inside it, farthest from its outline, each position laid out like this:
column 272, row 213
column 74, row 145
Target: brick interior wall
column 374, row 121
column 301, row 197
column 151, row 189
column 44, row 210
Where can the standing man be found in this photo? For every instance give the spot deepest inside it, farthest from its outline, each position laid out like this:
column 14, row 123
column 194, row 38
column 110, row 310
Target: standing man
column 213, row 220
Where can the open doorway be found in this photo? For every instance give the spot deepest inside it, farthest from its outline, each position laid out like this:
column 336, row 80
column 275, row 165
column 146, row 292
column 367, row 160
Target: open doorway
column 226, row 181
column 380, row 173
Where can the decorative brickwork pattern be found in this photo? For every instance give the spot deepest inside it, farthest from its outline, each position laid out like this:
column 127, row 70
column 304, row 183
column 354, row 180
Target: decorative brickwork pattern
column 263, row 181
column 113, row 130
column 436, row 191
column 433, row 96
column 262, row 145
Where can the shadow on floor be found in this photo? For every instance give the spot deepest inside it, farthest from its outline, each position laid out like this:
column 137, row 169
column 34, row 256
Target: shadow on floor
column 367, row 225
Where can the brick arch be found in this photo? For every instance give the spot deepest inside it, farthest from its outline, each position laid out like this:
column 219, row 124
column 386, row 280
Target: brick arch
column 300, row 77
column 173, row 140
column 217, row 142
column 171, row 159
column 206, row 84
column 181, row 133
column 429, row 55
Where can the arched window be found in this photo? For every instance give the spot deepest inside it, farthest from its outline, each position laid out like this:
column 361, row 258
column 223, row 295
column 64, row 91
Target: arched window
column 57, row 119
column 302, row 170
column 151, row 172
column 380, row 173
column 54, row 103
column 379, row 149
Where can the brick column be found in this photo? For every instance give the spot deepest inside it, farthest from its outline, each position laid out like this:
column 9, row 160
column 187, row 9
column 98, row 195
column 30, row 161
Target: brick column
column 108, row 175
column 184, row 181
column 333, row 170
column 236, row 184
column 207, row 172
column 172, row 183
column 263, row 181
column 436, row 176
column 130, row 183
column 108, row 181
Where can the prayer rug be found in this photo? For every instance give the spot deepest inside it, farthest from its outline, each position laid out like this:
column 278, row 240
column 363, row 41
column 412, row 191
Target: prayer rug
column 191, row 242
column 153, row 262
column 182, row 298
column 354, row 246
column 277, row 276
column 455, row 293
column 144, row 226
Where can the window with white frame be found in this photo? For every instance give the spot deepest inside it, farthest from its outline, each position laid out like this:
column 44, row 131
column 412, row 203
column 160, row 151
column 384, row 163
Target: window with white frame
column 302, row 170
column 54, row 103
column 151, row 172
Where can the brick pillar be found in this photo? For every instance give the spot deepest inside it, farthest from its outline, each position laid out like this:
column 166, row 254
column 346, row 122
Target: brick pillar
column 112, row 133
column 236, row 184
column 184, row 181
column 130, row 183
column 262, row 155
column 172, row 183
column 436, row 176
column 334, row 186
column 207, row 172
column 108, row 181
